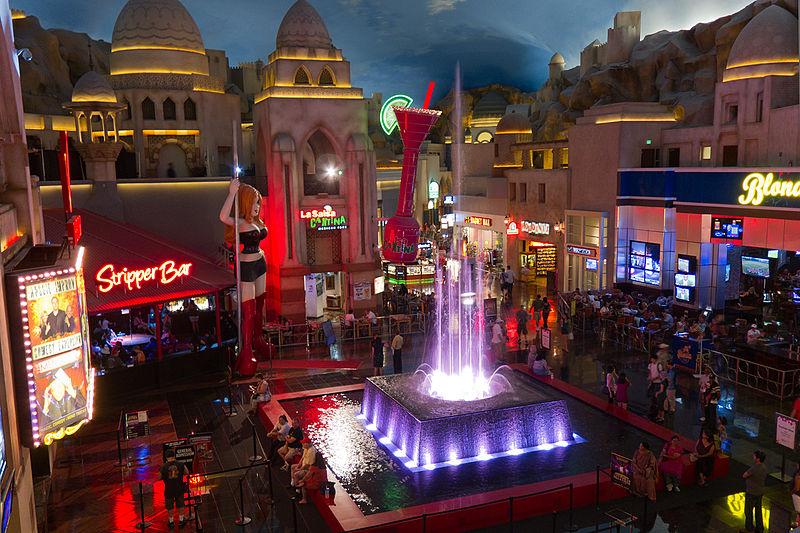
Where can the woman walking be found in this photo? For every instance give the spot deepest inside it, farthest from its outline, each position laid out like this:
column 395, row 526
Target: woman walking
column 611, row 383
column 622, row 390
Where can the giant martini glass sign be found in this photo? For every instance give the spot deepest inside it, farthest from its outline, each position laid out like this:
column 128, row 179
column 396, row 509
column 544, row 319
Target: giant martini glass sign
column 401, row 235
column 387, row 117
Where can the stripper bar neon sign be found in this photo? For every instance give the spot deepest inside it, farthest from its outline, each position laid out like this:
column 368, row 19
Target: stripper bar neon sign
column 165, row 273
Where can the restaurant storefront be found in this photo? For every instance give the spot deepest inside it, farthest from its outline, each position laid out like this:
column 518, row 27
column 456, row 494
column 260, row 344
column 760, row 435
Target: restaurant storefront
column 536, row 245
column 585, row 252
column 713, row 238
column 481, row 237
column 156, row 311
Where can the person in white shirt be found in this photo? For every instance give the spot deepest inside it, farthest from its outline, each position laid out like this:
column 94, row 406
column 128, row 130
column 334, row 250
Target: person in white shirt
column 279, row 433
column 397, row 353
column 349, row 319
column 507, row 281
column 372, row 317
column 753, row 334
column 498, row 340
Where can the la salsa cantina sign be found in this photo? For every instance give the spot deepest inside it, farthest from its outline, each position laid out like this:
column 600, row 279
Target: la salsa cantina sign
column 109, row 277
column 323, row 219
column 758, row 186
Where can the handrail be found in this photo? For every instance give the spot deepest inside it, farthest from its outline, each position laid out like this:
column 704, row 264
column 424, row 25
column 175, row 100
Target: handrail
column 780, row 383
column 629, row 335
column 510, row 499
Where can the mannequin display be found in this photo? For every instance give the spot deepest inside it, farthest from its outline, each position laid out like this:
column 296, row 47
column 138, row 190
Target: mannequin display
column 253, row 270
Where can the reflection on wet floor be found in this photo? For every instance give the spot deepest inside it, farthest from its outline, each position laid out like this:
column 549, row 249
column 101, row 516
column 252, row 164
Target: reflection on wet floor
column 367, row 470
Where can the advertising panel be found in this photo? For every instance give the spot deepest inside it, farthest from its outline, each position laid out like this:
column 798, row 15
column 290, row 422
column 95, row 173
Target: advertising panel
column 621, row 471
column 785, row 430
column 50, row 335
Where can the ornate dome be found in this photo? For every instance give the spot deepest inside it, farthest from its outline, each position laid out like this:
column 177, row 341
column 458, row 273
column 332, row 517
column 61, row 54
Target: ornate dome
column 302, row 27
column 767, row 46
column 513, row 123
column 557, row 59
column 93, row 87
column 152, row 36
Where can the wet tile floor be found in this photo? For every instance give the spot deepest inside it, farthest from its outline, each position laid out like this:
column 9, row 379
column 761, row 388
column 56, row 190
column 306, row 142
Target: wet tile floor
column 89, row 493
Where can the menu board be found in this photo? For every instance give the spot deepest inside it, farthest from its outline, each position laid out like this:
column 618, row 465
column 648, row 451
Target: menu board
column 137, row 424
column 50, row 337
column 545, row 260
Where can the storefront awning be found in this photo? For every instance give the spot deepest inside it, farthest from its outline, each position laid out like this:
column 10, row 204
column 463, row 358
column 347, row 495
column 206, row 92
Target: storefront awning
column 126, row 266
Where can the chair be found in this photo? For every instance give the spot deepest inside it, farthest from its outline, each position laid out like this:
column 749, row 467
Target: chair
column 363, row 329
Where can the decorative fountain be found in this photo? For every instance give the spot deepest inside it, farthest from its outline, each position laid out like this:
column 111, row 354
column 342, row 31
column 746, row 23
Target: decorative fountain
column 455, row 408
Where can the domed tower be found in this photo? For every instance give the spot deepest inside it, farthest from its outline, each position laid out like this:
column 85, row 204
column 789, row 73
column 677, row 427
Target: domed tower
column 312, row 143
column 556, row 66
column 173, row 107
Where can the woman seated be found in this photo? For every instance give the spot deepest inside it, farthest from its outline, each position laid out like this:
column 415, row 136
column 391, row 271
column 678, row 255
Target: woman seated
column 539, row 364
column 315, row 476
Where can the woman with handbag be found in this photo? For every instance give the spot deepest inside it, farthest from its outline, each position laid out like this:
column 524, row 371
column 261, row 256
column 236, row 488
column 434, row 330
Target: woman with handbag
column 261, row 392
column 672, row 464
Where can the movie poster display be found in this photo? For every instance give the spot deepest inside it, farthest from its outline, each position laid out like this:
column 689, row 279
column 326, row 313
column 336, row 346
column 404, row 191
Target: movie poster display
column 51, row 330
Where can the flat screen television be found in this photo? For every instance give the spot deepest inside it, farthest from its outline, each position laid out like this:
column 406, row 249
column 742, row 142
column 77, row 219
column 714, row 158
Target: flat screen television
column 591, row 264
column 773, row 254
column 728, row 229
column 755, row 266
column 727, row 273
column 686, row 280
column 683, row 294
column 645, row 262
column 683, row 265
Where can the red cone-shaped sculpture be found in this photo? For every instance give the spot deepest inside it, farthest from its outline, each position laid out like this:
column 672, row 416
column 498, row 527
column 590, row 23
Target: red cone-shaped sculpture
column 401, row 234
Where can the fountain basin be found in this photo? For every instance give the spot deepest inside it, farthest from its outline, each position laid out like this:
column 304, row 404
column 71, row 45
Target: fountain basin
column 429, row 431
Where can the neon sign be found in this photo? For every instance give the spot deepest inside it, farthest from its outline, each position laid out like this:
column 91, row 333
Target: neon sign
column 165, row 273
column 535, row 228
column 478, row 221
column 387, row 117
column 512, row 229
column 324, row 219
column 433, row 190
column 757, row 186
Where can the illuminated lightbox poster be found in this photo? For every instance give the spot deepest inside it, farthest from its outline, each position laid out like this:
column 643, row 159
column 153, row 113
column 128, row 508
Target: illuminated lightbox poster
column 50, row 334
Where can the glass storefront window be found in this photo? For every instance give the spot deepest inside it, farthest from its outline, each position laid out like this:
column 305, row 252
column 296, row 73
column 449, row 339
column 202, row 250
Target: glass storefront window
column 591, row 231
column 574, row 229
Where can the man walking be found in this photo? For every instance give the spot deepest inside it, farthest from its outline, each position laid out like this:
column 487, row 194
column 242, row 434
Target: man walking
column 536, row 311
column 754, row 480
column 171, row 473
column 507, row 281
column 669, row 404
column 397, row 353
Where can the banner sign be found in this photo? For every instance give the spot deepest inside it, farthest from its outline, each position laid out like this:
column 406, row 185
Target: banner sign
column 50, row 344
column 324, row 219
column 579, row 250
column 545, row 338
column 621, row 471
column 685, row 352
column 785, row 430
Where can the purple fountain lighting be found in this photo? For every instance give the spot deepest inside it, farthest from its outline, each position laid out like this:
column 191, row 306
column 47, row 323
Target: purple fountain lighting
column 456, row 407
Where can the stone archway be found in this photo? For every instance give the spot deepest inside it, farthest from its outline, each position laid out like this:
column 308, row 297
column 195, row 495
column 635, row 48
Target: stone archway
column 172, row 154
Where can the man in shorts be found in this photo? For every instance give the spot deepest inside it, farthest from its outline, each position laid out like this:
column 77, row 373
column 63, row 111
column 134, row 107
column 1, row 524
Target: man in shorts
column 171, row 473
column 293, row 446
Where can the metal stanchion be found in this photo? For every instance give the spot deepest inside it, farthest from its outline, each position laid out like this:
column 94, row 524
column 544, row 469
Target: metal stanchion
column 143, row 525
column 119, row 449
column 242, row 520
column 644, row 515
column 511, row 514
column 597, row 488
column 294, row 513
column 555, row 518
column 255, row 457
column 269, row 475
column 571, row 525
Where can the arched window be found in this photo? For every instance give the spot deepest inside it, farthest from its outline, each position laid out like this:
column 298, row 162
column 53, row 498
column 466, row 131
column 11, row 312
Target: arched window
column 189, row 110
column 148, row 109
column 301, row 77
column 484, row 137
column 169, row 109
column 326, row 77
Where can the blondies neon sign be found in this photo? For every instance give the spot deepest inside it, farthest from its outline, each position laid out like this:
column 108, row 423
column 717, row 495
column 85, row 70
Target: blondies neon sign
column 758, row 186
column 165, row 273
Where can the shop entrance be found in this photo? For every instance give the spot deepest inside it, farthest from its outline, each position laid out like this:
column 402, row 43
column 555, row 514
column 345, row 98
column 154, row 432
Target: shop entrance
column 537, row 263
column 325, row 294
